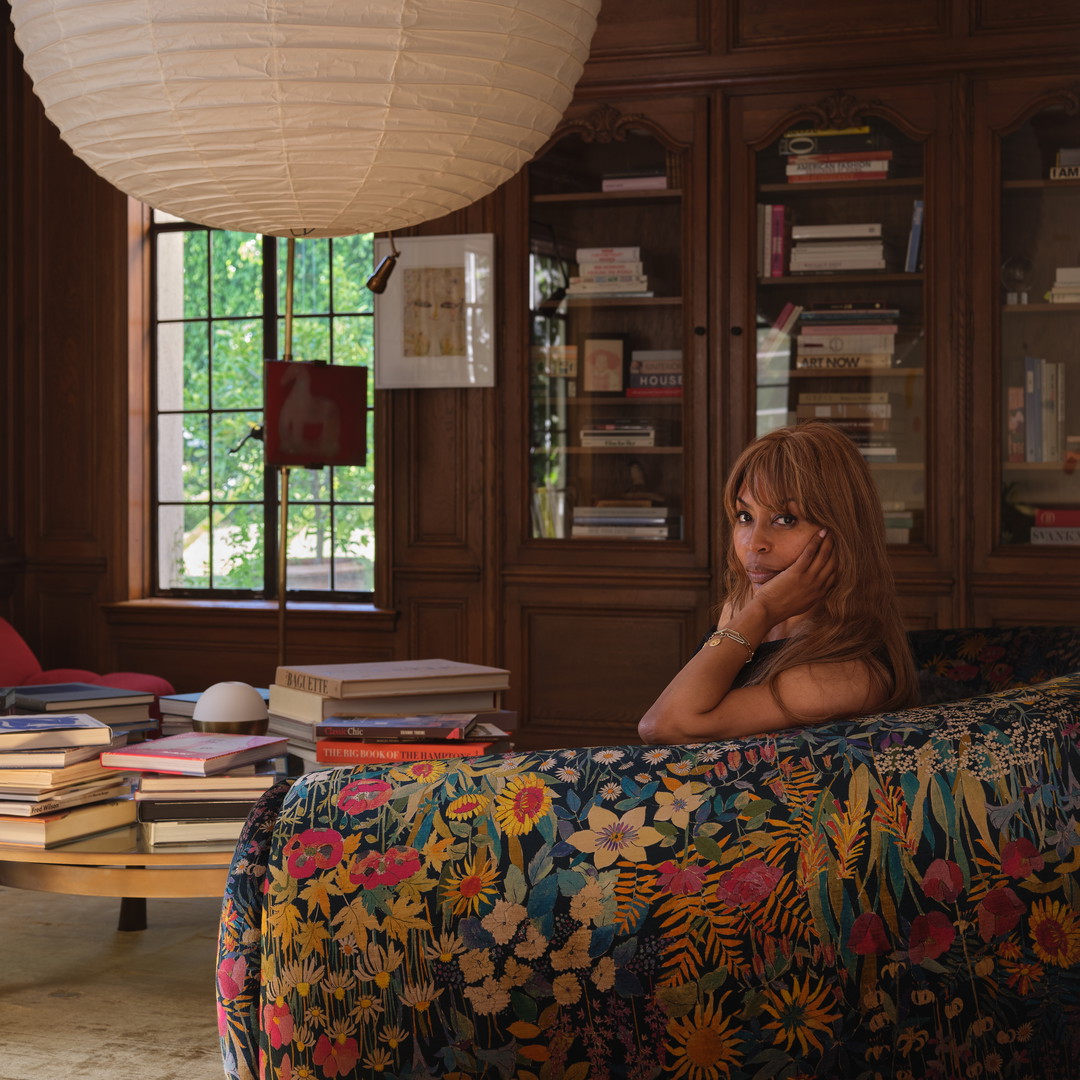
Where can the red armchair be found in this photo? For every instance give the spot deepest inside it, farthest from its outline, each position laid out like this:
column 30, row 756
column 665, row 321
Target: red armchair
column 20, row 667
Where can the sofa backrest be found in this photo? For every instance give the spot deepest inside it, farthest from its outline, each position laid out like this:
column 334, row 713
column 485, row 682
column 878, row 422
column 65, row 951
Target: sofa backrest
column 961, row 663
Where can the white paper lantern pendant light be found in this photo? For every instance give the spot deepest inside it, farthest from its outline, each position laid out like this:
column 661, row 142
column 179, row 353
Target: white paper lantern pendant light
column 304, row 118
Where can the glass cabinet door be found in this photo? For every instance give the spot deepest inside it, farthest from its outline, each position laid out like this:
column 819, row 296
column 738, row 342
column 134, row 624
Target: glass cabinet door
column 606, row 391
column 1039, row 297
column 840, row 299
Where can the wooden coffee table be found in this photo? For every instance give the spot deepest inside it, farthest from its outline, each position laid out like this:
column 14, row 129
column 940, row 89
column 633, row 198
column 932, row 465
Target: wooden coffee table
column 118, row 863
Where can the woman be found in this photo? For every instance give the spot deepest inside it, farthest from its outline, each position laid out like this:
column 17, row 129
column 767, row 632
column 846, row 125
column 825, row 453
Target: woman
column 810, row 629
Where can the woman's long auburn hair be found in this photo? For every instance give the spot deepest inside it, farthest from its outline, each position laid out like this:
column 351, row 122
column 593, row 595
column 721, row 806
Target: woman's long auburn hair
column 818, row 468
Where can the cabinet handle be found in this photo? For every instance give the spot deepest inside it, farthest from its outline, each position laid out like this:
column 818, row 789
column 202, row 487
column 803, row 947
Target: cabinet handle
column 736, row 331
column 699, row 330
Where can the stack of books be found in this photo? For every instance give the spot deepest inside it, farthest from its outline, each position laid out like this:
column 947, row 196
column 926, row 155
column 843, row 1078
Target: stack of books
column 845, row 344
column 625, row 523
column 609, row 272
column 655, row 373
column 1066, row 287
column 1056, row 525
column 367, row 740
column 195, row 787
column 52, row 785
column 902, row 522
column 618, row 433
column 834, row 154
column 304, row 696
column 126, row 712
column 840, row 247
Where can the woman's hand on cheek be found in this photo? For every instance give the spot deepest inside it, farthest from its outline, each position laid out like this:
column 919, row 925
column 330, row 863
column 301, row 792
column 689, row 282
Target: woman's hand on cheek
column 804, row 584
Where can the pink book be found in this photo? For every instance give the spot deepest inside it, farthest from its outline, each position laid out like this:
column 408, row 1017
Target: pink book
column 779, row 241
column 194, row 753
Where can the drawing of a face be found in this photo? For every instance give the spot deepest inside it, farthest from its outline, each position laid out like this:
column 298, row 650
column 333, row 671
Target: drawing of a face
column 434, row 316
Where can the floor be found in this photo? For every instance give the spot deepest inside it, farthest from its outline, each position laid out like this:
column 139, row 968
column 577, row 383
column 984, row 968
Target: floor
column 81, row 1000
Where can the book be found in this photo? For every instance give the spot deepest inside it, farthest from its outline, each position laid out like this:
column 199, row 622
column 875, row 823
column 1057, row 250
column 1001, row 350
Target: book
column 839, row 231
column 404, row 728
column 194, row 753
column 1058, row 516
column 608, row 254
column 26, row 804
column 54, row 757
column 1014, row 435
column 630, row 532
column 821, row 329
column 633, row 183
column 389, row 677
column 778, row 337
column 47, row 830
column 191, row 810
column 830, row 263
column 357, row 752
column 587, row 268
column 184, row 704
column 848, row 397
column 305, row 705
column 834, row 141
column 778, row 241
column 159, row 833
column 614, row 440
column 1045, row 535
column 828, row 164
column 911, row 256
column 71, row 697
column 1067, row 275
column 1065, row 172
column 1033, row 414
column 619, row 510
column 828, row 178
column 243, row 778
column 35, row 779
column 844, row 410
column 41, row 730
column 845, row 342
column 850, row 361
column 820, row 248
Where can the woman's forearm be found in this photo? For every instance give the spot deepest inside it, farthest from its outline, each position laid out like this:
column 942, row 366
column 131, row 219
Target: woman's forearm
column 686, row 709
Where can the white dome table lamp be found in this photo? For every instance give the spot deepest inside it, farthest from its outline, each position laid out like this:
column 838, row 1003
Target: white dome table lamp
column 230, row 708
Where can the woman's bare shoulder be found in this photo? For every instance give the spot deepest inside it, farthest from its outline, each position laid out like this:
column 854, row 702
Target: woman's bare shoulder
column 842, row 688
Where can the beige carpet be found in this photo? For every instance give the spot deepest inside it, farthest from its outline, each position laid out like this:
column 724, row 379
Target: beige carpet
column 83, row 1001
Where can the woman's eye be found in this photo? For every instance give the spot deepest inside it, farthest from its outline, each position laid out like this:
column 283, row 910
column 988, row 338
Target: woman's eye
column 787, row 519
column 742, row 517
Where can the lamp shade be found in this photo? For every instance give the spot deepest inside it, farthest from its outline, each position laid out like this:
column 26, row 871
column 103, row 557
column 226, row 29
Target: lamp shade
column 305, row 117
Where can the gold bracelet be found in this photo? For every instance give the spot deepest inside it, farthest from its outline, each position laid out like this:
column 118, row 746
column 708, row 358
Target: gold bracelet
column 727, row 632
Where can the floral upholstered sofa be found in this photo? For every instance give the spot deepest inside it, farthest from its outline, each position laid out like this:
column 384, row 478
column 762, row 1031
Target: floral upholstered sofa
column 892, row 896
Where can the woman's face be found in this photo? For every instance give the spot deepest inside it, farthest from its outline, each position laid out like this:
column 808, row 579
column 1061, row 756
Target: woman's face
column 768, row 542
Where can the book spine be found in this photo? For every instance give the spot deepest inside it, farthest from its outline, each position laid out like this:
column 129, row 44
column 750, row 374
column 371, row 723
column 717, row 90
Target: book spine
column 633, row 183
column 1065, row 172
column 333, row 750
column 817, row 178
column 868, row 230
column 608, row 254
column 777, row 250
column 1064, row 518
column 829, row 266
column 654, row 391
column 1044, row 535
column 766, row 239
column 841, row 163
column 845, row 343
column 1032, row 409
column 845, row 411
column 852, row 362
column 1049, row 411
column 828, row 329
column 850, row 155
column 851, row 397
column 1015, row 424
column 310, row 684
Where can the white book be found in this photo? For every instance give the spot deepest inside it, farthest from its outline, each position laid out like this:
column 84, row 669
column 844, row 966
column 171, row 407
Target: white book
column 840, row 264
column 830, row 232
column 845, row 343
column 608, row 254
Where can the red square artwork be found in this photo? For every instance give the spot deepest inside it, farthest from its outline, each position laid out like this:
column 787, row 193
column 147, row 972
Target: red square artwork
column 315, row 414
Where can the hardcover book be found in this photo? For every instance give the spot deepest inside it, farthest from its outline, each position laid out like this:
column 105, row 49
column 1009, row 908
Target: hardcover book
column 36, row 779
column 68, row 697
column 54, row 757
column 201, row 810
column 194, row 753
column 404, row 728
column 355, row 752
column 47, row 830
column 389, row 677
column 158, row 833
column 41, row 730
column 308, row 705
column 26, row 804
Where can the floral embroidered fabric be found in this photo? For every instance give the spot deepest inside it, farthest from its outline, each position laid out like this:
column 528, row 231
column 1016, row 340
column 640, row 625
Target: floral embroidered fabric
column 890, row 896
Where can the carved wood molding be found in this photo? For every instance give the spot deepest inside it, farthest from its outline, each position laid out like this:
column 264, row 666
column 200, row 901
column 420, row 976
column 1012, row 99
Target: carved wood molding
column 840, row 110
column 606, row 124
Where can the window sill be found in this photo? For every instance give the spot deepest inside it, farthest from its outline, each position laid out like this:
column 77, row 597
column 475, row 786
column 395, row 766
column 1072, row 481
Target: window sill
column 300, row 614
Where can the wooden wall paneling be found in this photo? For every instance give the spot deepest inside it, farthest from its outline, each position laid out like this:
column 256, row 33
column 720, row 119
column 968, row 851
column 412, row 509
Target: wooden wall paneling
column 443, row 618
column 1050, row 610
column 586, row 661
column 630, row 29
column 757, row 23
column 1007, row 17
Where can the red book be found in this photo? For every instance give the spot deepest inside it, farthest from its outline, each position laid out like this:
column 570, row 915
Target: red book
column 819, row 178
column 854, row 155
column 194, row 753
column 353, row 752
column 1067, row 517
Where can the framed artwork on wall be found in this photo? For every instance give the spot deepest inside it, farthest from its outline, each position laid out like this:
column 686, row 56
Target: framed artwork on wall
column 602, row 365
column 435, row 323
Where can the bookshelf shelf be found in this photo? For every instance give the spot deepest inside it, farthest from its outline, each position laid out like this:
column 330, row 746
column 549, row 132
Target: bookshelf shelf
column 1040, row 186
